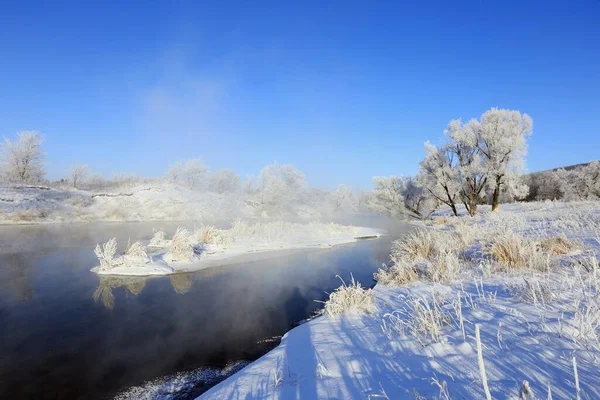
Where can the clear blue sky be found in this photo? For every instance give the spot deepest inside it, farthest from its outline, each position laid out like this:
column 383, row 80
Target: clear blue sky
column 343, row 90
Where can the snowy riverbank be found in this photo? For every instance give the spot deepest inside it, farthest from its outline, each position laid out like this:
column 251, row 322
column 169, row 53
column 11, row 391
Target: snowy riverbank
column 528, row 277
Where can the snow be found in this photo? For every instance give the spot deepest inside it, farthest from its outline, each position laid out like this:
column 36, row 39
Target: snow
column 160, row 200
column 270, row 241
column 533, row 324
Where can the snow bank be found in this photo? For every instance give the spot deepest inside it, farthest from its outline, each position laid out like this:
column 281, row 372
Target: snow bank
column 536, row 321
column 208, row 246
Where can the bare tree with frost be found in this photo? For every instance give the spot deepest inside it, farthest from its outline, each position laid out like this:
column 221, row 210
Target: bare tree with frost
column 279, row 184
column 581, row 183
column 396, row 196
column 343, row 198
column 501, row 141
column 189, row 172
column 78, row 173
column 473, row 171
column 23, row 159
column 439, row 175
column 225, row 181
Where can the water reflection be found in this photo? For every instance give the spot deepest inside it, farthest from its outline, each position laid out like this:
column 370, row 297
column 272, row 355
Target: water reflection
column 15, row 277
column 181, row 284
column 104, row 292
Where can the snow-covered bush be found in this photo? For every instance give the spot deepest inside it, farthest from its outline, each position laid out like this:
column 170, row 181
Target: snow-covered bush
column 397, row 274
column 437, row 266
column 421, row 244
column 239, row 228
column 350, row 298
column 135, row 253
column 205, row 234
column 181, row 249
column 533, row 291
column 444, row 267
column 158, row 240
column 557, row 245
column 512, row 250
column 23, row 159
column 423, row 318
column 106, row 253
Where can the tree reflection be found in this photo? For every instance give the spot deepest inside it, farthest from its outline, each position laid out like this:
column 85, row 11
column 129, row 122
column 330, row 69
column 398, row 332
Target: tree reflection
column 104, row 292
column 182, row 282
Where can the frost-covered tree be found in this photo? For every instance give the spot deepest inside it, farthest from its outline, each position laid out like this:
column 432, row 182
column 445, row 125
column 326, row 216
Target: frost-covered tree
column 501, row 141
column 473, row 171
column 189, row 172
column 581, row 183
column 386, row 197
column 343, row 198
column 23, row 159
column 400, row 196
column 279, row 184
column 439, row 175
column 78, row 173
column 224, row 181
column 417, row 200
column 514, row 188
column 249, row 186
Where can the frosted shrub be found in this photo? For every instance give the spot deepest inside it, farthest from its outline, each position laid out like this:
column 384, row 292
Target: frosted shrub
column 419, row 244
column 557, row 245
column 422, row 317
column 239, row 228
column 135, row 253
column 106, row 253
column 181, row 248
column 464, row 234
column 206, row 234
column 512, row 250
column 158, row 240
column 397, row 275
column 587, row 323
column 533, row 292
column 427, row 319
column 443, row 268
column 350, row 298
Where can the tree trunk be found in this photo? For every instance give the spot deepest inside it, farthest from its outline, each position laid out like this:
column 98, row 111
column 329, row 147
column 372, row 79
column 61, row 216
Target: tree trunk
column 473, row 205
column 451, row 202
column 496, row 196
column 454, row 210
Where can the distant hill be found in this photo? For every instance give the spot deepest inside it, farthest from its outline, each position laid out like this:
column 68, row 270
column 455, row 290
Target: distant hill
column 568, row 168
column 531, row 178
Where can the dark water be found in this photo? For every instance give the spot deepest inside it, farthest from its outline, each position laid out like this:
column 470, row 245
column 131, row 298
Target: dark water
column 67, row 333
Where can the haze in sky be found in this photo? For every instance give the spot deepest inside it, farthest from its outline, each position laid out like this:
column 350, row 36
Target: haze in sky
column 343, row 91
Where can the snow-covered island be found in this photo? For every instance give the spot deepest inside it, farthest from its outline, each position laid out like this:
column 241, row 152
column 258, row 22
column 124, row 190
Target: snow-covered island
column 208, row 246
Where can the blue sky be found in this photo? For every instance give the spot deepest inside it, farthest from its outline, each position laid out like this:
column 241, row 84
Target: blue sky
column 343, row 90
